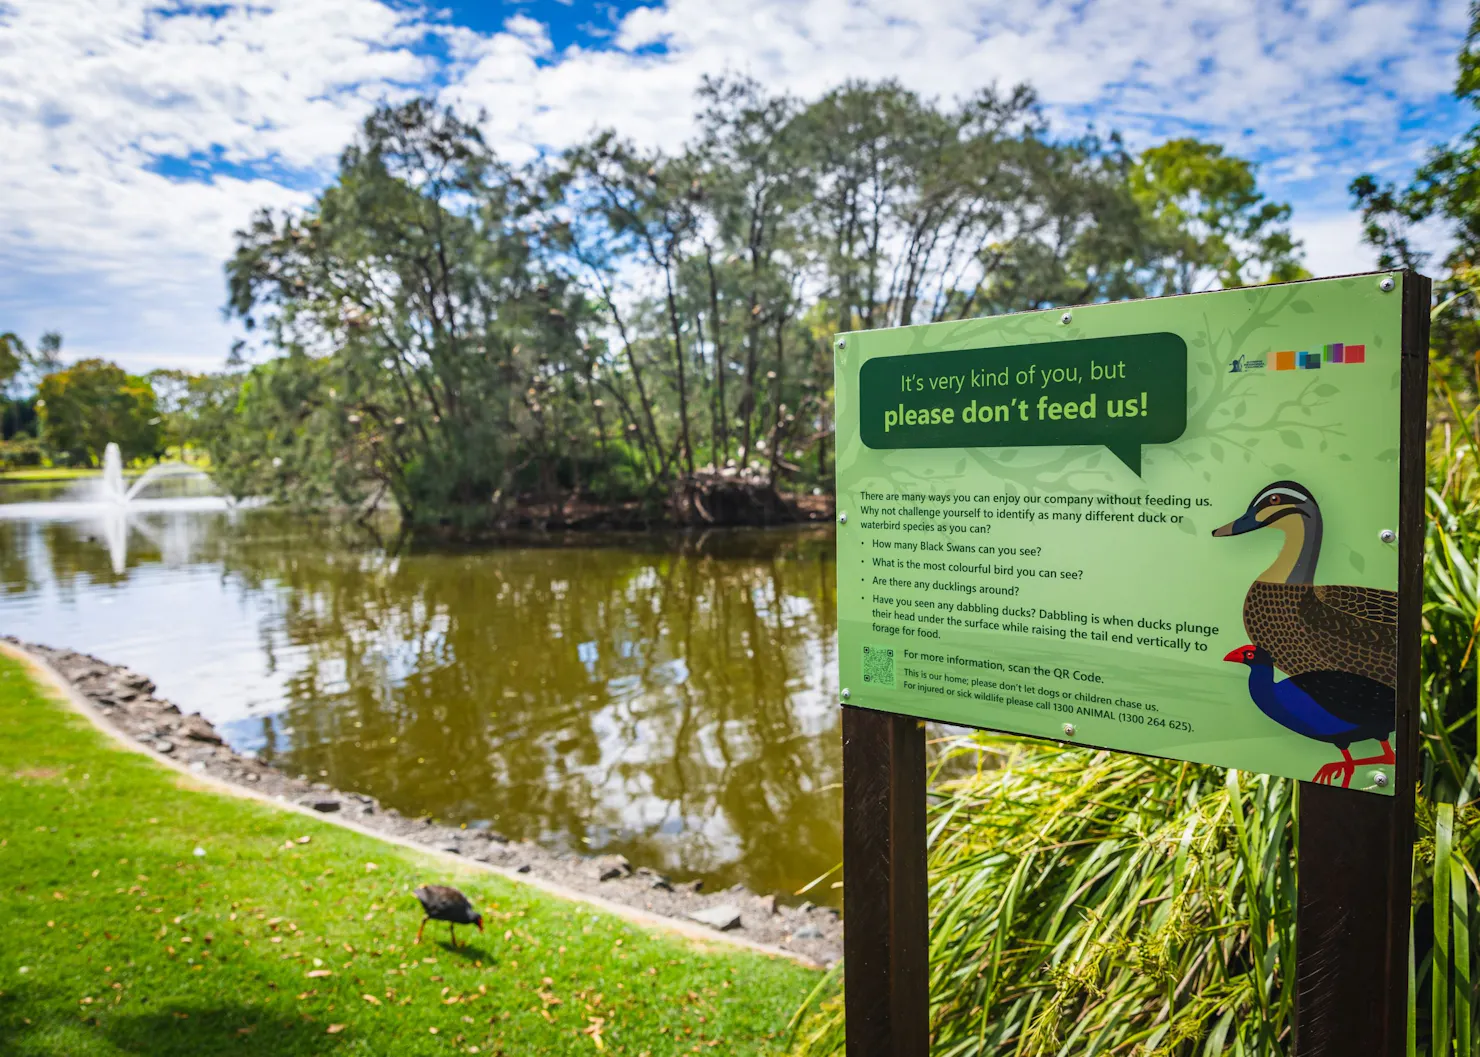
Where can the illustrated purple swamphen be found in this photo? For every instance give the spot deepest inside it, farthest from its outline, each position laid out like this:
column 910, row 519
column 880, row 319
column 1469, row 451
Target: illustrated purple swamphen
column 1338, row 645
column 445, row 903
column 1362, row 716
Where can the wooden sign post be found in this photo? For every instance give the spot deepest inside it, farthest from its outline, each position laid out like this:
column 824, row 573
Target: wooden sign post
column 936, row 622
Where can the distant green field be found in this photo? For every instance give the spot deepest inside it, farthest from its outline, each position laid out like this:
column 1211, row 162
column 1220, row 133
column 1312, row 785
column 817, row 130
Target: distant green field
column 51, row 473
column 145, row 915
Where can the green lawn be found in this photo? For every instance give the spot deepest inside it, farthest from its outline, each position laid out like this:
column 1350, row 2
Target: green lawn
column 49, row 473
column 293, row 936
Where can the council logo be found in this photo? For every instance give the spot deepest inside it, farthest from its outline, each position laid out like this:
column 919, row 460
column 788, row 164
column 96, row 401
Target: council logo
column 1336, row 352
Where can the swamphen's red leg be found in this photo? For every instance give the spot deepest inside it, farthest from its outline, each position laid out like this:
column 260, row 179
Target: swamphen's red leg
column 1346, row 767
column 423, row 925
column 1386, row 757
column 452, row 932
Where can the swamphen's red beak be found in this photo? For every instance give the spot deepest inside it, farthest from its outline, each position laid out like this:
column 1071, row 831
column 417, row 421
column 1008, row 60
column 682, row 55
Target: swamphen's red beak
column 479, row 922
column 1237, row 656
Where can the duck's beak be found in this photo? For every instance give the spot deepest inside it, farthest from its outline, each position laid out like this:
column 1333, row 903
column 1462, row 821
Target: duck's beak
column 1238, row 654
column 1247, row 523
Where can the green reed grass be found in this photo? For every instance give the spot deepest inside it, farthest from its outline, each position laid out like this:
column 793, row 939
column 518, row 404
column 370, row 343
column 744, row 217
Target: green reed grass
column 1099, row 903
column 1094, row 902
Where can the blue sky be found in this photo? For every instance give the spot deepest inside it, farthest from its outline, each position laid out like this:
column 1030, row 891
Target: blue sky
column 141, row 133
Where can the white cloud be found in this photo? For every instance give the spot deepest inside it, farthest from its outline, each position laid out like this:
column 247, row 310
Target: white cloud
column 1333, row 244
column 128, row 262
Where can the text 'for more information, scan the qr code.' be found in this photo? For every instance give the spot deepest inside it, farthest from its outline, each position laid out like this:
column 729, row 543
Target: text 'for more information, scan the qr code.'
column 878, row 666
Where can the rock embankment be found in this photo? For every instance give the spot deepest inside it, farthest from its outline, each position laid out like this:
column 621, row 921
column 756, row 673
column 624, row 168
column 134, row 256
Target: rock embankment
column 128, row 701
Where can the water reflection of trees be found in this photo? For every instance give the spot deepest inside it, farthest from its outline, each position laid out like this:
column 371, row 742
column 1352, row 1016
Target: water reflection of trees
column 72, row 555
column 666, row 700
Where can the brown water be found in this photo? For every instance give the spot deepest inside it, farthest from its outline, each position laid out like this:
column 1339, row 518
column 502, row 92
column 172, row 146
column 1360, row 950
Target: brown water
column 670, row 698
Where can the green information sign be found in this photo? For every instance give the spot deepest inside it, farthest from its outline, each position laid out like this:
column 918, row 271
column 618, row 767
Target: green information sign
column 1162, row 526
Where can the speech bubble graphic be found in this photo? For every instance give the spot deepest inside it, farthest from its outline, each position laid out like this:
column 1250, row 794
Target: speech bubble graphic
column 1119, row 392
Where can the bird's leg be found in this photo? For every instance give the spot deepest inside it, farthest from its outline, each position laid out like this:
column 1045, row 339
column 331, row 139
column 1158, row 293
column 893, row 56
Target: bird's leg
column 1386, row 757
column 423, row 925
column 452, row 932
column 1344, row 767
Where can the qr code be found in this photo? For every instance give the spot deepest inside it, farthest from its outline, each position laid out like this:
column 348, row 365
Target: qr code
column 878, row 666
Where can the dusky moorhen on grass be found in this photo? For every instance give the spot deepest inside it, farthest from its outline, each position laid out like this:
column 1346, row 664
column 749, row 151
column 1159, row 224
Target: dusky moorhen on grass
column 445, row 903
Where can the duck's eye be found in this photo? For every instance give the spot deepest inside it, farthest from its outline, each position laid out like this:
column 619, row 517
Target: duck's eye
column 1273, row 500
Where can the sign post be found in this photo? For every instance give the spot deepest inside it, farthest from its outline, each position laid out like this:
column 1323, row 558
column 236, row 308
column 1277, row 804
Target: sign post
column 1190, row 527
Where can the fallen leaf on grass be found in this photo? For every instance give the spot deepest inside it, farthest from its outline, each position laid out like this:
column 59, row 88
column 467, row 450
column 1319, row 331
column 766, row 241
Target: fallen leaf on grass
column 304, row 839
column 371, row 999
column 432, row 1031
column 319, row 972
column 247, row 1030
column 335, row 1029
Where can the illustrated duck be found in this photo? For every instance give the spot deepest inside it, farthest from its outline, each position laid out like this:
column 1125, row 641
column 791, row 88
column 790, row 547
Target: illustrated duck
column 445, row 903
column 1338, row 645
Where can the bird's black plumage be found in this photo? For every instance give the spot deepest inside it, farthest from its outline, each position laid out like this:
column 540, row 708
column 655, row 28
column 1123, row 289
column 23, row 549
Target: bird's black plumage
column 445, row 903
column 1364, row 703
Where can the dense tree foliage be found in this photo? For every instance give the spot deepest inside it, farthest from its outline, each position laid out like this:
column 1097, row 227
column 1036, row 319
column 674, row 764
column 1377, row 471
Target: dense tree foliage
column 423, row 335
column 21, row 367
column 1216, row 228
column 1446, row 191
column 93, row 402
column 620, row 323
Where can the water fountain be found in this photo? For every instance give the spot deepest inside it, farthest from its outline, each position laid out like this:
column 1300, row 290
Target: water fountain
column 114, row 506
column 113, row 488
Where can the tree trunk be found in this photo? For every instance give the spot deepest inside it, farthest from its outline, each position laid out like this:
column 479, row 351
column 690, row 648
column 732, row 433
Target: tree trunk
column 683, row 388
column 776, row 405
column 721, row 424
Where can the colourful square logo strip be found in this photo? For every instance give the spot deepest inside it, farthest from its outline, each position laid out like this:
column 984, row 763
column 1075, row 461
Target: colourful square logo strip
column 1308, row 360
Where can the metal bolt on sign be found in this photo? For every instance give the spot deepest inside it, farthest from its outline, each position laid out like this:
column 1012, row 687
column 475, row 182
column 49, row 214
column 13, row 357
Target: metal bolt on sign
column 842, row 342
column 845, row 693
column 1387, row 284
column 843, row 518
column 1066, row 318
column 1068, row 730
column 1387, row 535
column 1379, row 778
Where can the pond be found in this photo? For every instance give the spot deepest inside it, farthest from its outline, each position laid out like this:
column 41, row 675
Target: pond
column 669, row 697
